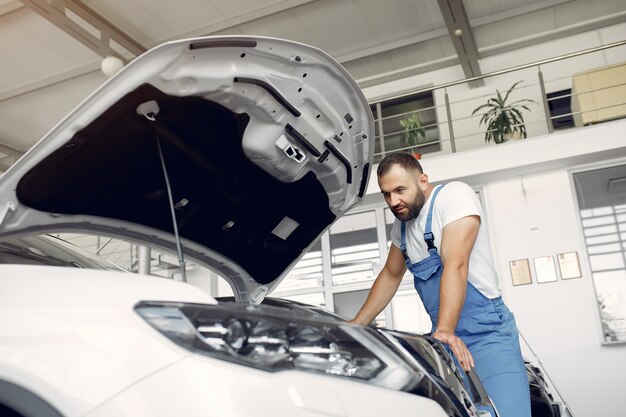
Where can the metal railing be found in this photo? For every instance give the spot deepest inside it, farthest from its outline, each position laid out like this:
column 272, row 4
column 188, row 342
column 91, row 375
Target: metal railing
column 458, row 129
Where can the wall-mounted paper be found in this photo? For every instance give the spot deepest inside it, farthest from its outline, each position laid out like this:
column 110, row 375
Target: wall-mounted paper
column 520, row 272
column 545, row 269
column 568, row 265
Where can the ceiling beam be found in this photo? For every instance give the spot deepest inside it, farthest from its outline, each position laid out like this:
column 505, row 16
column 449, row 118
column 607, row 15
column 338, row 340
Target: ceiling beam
column 10, row 6
column 243, row 18
column 390, row 46
column 11, row 155
column 60, row 13
column 460, row 32
column 10, row 151
column 6, row 162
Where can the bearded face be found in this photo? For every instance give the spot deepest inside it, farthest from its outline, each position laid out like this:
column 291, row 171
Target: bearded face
column 402, row 192
column 409, row 210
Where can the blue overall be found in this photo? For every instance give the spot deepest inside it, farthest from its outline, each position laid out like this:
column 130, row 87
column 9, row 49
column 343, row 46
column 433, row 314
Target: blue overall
column 486, row 326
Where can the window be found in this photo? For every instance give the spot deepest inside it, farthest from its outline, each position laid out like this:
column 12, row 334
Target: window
column 560, row 105
column 355, row 254
column 347, row 304
column 601, row 195
column 399, row 131
column 307, row 273
column 409, row 314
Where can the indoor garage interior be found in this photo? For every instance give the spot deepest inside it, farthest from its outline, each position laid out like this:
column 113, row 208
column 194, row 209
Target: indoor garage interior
column 552, row 189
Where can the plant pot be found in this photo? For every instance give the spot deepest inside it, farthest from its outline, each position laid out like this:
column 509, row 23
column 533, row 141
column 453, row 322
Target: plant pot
column 515, row 135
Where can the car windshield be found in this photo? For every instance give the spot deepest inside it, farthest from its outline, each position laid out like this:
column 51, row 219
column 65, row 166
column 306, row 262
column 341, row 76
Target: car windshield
column 49, row 250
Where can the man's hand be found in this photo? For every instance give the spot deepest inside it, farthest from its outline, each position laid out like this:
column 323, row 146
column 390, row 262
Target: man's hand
column 458, row 347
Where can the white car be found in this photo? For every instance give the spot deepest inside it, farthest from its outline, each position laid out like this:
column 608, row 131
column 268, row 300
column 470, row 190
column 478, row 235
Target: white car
column 238, row 153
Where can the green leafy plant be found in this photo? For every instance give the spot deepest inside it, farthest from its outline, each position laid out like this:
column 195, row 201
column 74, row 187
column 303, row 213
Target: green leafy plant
column 413, row 130
column 504, row 120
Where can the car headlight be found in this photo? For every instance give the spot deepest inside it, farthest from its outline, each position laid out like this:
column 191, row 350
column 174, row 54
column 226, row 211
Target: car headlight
column 264, row 338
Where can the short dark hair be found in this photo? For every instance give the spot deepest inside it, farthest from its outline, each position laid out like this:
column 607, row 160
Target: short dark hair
column 406, row 161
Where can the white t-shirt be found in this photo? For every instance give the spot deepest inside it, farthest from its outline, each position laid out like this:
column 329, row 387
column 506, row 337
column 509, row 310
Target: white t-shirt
column 455, row 201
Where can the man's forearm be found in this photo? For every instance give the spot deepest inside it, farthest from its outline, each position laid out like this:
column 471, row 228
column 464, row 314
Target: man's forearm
column 452, row 296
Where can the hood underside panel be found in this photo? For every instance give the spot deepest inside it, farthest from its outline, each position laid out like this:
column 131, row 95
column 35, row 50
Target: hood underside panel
column 111, row 168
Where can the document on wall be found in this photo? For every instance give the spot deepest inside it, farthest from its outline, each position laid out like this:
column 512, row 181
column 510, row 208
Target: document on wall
column 568, row 265
column 520, row 272
column 545, row 269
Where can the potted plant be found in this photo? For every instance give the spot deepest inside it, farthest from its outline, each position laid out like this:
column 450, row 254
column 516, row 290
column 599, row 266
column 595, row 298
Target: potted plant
column 413, row 130
column 504, row 120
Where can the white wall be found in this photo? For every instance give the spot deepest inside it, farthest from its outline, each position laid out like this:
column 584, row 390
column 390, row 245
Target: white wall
column 559, row 319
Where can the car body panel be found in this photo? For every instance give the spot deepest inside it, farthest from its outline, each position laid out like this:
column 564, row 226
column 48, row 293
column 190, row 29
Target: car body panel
column 262, row 143
column 85, row 351
column 71, row 333
column 289, row 393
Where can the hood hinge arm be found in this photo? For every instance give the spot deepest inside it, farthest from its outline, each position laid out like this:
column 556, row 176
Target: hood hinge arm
column 149, row 110
column 5, row 209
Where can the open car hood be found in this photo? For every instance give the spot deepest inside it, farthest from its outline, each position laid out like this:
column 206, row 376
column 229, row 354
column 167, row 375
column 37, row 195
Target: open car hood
column 265, row 143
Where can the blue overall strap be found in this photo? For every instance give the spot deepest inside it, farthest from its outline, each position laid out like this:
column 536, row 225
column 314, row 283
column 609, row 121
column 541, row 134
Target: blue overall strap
column 428, row 234
column 403, row 240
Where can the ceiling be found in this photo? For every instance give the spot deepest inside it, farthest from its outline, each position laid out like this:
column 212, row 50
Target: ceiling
column 46, row 71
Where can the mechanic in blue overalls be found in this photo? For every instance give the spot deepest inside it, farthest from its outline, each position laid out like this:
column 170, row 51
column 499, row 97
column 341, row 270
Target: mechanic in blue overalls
column 437, row 236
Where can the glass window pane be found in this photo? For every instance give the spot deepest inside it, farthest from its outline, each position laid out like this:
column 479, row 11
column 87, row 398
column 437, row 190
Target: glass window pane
column 307, row 273
column 611, row 291
column 602, row 239
column 604, row 225
column 348, row 303
column 374, row 112
column 410, row 123
column 613, row 247
column 113, row 250
column 598, row 221
column 355, row 253
column 604, row 262
column 602, row 230
column 409, row 314
column 602, row 211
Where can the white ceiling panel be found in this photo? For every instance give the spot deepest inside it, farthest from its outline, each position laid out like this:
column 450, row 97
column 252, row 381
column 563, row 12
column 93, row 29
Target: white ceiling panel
column 530, row 19
column 151, row 22
column 44, row 72
column 411, row 56
column 282, row 25
column 585, row 10
column 512, row 28
column 482, row 8
column 26, row 118
column 32, row 49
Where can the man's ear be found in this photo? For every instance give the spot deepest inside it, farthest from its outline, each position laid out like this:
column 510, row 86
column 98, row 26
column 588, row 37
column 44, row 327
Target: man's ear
column 423, row 182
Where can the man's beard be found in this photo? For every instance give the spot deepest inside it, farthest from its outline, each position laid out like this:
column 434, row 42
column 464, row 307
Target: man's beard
column 413, row 208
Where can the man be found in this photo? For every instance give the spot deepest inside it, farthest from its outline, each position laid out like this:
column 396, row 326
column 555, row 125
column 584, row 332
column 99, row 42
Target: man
column 437, row 236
